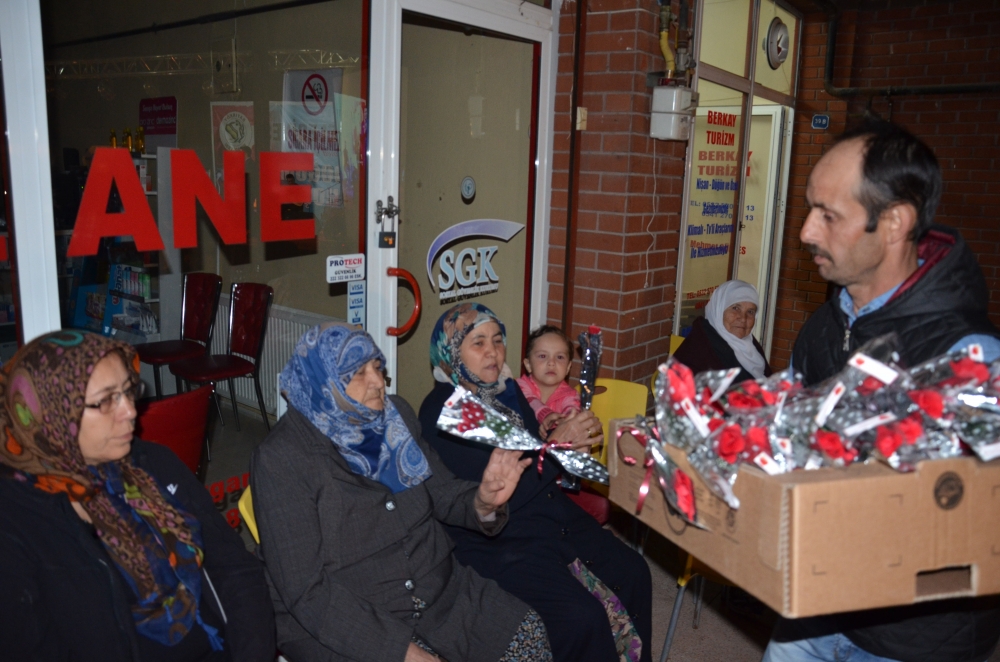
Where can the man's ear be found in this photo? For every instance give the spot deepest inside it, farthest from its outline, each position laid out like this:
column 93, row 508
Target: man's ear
column 897, row 222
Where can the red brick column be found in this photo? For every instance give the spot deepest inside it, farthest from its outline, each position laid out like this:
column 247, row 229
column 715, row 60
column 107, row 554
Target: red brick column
column 630, row 186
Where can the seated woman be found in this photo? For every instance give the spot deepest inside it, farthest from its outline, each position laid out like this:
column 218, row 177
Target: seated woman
column 111, row 548
column 593, row 592
column 722, row 340
column 349, row 500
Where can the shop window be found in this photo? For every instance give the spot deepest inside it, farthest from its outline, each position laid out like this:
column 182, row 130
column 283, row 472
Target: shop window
column 259, row 81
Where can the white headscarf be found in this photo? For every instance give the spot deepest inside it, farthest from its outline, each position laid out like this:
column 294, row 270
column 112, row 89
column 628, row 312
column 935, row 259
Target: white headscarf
column 728, row 294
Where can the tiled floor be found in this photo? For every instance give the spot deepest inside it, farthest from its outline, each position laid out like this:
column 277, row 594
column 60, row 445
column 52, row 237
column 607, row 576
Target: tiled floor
column 723, row 633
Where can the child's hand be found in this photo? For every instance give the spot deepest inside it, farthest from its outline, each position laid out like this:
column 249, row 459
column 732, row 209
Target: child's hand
column 551, row 421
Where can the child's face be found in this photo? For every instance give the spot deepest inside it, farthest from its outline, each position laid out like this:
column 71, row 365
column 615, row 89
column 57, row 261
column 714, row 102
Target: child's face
column 549, row 360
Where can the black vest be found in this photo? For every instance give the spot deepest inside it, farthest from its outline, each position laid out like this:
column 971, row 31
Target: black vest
column 941, row 303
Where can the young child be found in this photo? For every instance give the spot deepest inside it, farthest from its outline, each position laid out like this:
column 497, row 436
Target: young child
column 549, row 356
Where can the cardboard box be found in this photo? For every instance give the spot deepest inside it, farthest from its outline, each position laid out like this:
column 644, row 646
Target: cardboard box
column 808, row 543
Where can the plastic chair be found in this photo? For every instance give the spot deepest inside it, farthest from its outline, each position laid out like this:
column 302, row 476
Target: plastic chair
column 245, row 505
column 693, row 569
column 248, row 313
column 199, row 303
column 620, row 399
column 179, row 422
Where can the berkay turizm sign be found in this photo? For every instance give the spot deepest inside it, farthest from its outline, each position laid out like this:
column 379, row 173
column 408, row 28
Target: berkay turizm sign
column 189, row 183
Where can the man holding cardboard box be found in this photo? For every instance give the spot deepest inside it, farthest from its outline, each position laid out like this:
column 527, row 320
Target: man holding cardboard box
column 873, row 196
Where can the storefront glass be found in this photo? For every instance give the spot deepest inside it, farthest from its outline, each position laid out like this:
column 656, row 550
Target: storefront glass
column 250, row 80
column 10, row 333
column 724, row 34
column 707, row 243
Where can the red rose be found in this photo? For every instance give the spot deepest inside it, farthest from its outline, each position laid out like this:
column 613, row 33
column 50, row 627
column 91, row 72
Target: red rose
column 750, row 387
column 715, row 423
column 768, row 398
column 681, row 382
column 738, row 400
column 930, row 401
column 967, row 369
column 830, row 443
column 731, row 443
column 870, row 385
column 887, row 440
column 684, row 490
column 758, row 441
column 706, row 394
column 784, row 385
column 911, row 427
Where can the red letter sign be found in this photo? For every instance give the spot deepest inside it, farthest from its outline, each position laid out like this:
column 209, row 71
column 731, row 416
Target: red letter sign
column 190, row 182
column 93, row 222
column 273, row 194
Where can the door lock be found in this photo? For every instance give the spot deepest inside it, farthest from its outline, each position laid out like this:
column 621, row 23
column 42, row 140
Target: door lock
column 386, row 237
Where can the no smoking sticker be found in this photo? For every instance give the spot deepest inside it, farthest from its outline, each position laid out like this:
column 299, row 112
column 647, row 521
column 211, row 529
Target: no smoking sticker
column 315, row 94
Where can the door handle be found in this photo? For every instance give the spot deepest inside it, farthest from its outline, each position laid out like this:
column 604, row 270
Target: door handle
column 415, row 315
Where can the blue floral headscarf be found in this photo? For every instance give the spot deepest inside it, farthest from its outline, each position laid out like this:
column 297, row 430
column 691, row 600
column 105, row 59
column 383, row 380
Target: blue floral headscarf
column 446, row 344
column 376, row 444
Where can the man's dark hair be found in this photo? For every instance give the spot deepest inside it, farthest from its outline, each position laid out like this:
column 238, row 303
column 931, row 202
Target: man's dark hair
column 897, row 168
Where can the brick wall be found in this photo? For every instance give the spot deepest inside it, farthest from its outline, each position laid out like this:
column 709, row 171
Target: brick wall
column 900, row 43
column 630, row 187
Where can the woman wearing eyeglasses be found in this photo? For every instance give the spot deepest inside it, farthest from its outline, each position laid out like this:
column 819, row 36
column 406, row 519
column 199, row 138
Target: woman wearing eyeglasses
column 111, row 549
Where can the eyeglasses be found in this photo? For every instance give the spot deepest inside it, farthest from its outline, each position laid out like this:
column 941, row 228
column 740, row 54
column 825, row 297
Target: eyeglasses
column 110, row 402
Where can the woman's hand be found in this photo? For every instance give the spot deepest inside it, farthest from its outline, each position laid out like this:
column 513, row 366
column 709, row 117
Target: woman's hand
column 582, row 430
column 499, row 480
column 417, row 654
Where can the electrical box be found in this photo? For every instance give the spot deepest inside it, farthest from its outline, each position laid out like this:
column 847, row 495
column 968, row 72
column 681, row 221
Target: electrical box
column 673, row 112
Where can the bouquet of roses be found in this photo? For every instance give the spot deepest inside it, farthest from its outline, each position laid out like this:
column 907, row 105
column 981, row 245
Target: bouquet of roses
column 466, row 416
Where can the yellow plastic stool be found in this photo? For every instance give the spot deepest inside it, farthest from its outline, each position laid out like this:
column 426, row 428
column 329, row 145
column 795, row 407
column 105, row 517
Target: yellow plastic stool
column 246, row 510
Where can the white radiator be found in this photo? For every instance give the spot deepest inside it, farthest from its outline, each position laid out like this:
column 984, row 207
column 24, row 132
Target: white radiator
column 284, row 328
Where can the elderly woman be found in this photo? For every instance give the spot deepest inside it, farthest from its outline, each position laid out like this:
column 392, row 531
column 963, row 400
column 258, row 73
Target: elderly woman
column 593, row 592
column 722, row 340
column 111, row 548
column 349, row 502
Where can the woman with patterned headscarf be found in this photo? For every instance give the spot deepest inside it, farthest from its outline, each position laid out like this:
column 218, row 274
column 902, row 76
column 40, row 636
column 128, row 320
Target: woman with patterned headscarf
column 111, row 548
column 593, row 592
column 350, row 502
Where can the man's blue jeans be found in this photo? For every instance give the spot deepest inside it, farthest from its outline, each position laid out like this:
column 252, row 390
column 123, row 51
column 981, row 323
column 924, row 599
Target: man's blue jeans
column 826, row 648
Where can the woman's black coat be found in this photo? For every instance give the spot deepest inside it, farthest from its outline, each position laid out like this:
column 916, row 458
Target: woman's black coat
column 546, row 532
column 704, row 349
column 63, row 598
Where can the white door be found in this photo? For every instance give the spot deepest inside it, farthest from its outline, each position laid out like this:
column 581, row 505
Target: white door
column 402, row 56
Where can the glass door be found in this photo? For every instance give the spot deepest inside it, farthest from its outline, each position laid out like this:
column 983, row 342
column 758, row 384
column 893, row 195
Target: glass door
column 464, row 159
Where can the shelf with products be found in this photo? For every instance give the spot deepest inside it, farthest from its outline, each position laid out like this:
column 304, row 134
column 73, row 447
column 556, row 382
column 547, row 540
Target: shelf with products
column 85, row 292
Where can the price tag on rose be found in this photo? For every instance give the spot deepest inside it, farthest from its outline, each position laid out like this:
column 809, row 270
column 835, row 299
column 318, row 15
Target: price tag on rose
column 466, row 416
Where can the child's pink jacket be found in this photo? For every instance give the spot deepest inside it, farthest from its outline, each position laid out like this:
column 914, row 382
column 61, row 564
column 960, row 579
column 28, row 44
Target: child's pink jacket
column 564, row 401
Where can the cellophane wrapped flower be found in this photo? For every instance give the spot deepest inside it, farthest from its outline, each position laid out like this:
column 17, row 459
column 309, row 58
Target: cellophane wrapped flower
column 682, row 419
column 466, row 416
column 677, row 486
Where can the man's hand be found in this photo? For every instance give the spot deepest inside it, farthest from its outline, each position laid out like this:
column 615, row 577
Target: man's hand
column 581, row 429
column 499, row 480
column 417, row 654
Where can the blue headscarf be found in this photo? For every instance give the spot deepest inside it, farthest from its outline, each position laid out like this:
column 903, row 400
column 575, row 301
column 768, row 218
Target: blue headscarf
column 446, row 357
column 376, row 444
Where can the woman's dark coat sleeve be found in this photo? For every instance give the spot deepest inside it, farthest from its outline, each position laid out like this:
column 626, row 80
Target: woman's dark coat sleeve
column 236, row 575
